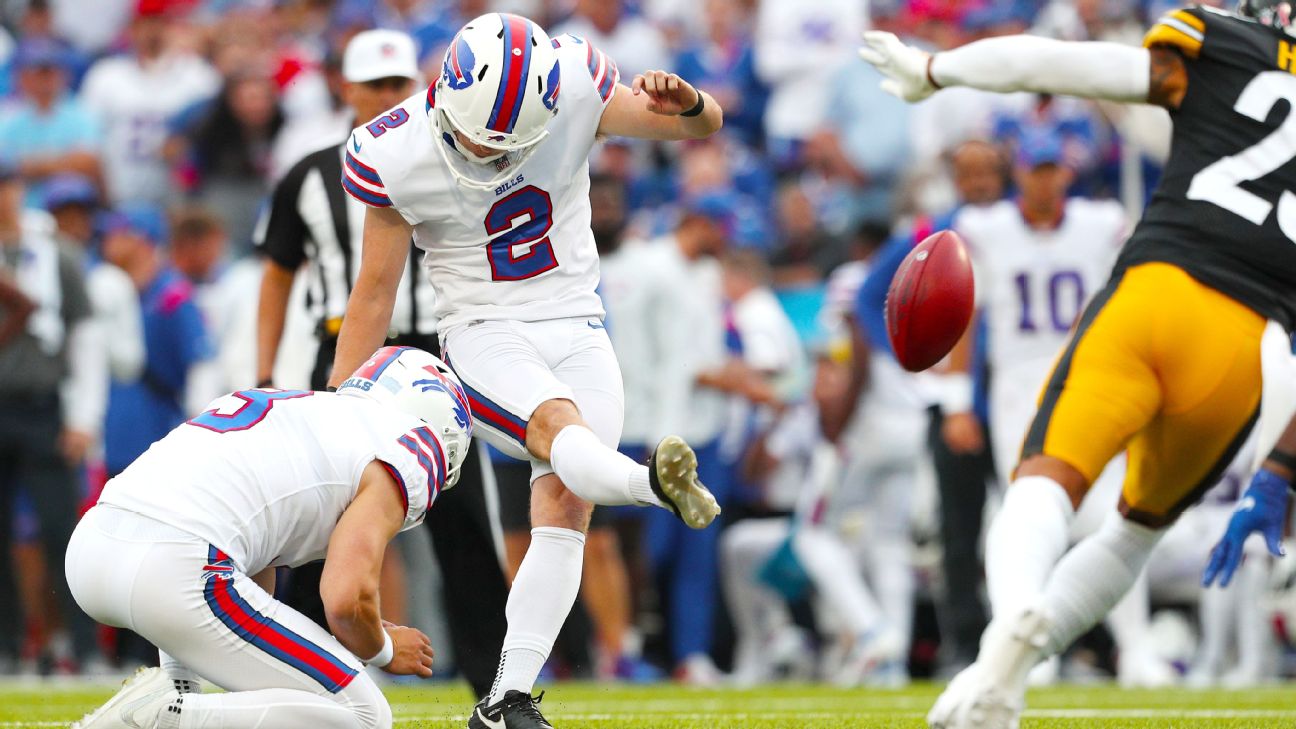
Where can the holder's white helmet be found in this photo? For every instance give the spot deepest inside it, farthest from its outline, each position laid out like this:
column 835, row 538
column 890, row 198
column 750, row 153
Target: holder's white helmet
column 415, row 382
column 499, row 88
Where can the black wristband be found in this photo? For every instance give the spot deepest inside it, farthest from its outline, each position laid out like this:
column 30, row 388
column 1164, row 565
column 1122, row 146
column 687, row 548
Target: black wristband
column 330, row 388
column 265, row 384
column 697, row 108
column 1286, row 460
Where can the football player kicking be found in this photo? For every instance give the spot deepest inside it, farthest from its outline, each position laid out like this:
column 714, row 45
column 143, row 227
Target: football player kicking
column 489, row 171
column 1165, row 361
column 182, row 548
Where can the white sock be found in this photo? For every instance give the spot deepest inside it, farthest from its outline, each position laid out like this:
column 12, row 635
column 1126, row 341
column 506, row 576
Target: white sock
column 1025, row 540
column 1093, row 577
column 185, row 680
column 838, row 578
column 597, row 473
column 543, row 593
column 264, row 709
column 1130, row 618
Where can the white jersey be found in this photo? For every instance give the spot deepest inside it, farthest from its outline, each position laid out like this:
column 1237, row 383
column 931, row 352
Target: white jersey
column 666, row 322
column 135, row 104
column 522, row 251
column 1032, row 284
column 264, row 475
column 1031, row 287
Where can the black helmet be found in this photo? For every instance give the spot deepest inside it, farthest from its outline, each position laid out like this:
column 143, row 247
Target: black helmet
column 1273, row 13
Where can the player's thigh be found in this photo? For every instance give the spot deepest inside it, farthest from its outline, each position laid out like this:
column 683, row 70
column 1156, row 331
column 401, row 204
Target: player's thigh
column 192, row 604
column 591, row 370
column 506, row 378
column 1103, row 388
column 1209, row 361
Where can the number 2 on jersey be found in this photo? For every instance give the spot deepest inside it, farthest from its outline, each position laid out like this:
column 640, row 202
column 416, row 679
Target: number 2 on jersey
column 1220, row 183
column 510, row 259
column 256, row 403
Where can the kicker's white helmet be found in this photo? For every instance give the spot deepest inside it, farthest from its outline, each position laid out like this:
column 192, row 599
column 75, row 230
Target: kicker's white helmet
column 415, row 382
column 499, row 88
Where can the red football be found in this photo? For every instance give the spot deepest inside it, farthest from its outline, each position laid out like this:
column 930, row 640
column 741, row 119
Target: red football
column 930, row 301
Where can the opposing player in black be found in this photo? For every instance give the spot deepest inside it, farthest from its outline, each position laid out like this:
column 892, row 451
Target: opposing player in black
column 1165, row 361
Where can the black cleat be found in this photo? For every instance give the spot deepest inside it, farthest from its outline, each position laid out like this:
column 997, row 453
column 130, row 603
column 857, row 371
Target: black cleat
column 672, row 472
column 517, row 710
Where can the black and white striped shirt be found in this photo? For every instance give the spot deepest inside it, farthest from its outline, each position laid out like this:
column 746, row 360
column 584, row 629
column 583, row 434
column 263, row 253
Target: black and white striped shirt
column 312, row 220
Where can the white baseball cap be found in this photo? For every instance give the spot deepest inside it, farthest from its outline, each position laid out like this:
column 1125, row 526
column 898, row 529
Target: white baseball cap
column 375, row 54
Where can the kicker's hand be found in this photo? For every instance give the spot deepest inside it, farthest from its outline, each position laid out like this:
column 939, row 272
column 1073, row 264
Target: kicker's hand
column 905, row 67
column 668, row 94
column 413, row 652
column 1263, row 509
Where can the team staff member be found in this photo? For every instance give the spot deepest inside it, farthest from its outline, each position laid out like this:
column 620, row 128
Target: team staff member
column 314, row 223
column 50, row 366
column 1165, row 361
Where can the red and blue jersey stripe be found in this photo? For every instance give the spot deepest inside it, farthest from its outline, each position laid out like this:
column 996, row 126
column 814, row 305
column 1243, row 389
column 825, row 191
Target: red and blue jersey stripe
column 602, row 70
column 516, row 71
column 268, row 635
column 364, row 183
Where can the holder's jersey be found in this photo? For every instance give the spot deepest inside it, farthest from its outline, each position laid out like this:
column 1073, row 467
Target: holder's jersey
column 264, row 475
column 523, row 250
column 1225, row 210
column 1032, row 284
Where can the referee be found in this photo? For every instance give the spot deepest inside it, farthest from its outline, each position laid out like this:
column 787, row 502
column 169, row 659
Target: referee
column 314, row 223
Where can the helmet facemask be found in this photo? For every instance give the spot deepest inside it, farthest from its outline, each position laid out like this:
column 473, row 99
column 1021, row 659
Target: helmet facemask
column 1273, row 13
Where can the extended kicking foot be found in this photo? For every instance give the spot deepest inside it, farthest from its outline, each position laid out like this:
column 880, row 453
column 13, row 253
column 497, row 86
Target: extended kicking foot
column 517, row 710
column 136, row 706
column 672, row 472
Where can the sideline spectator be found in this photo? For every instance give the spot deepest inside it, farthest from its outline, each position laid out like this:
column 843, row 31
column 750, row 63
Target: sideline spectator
column 135, row 96
column 51, row 368
column 143, row 410
column 49, row 130
column 799, row 46
column 229, row 146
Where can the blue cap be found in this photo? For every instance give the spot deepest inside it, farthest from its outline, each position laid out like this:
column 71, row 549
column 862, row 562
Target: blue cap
column 719, row 206
column 1036, row 149
column 70, row 189
column 147, row 221
column 40, row 52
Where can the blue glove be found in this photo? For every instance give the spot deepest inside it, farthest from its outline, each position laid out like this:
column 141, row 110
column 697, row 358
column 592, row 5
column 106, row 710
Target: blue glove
column 1263, row 509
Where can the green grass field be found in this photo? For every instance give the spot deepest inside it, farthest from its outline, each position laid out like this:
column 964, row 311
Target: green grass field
column 589, row 706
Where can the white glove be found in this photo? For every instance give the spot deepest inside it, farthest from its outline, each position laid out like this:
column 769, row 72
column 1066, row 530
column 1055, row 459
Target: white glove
column 904, row 66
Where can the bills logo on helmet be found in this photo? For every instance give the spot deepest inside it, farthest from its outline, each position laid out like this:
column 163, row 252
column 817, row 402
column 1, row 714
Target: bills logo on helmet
column 550, row 98
column 459, row 63
column 456, row 393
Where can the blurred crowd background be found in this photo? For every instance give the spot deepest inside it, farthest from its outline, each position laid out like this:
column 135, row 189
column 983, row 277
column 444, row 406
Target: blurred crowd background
column 146, row 138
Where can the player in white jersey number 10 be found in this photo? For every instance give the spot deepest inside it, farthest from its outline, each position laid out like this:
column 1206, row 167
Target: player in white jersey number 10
column 183, row 545
column 489, row 171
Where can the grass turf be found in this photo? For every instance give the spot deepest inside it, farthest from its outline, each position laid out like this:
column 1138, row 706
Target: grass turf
column 589, row 706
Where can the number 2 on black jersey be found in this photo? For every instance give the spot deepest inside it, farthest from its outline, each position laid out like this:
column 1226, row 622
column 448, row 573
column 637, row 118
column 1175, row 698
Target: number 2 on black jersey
column 1219, row 183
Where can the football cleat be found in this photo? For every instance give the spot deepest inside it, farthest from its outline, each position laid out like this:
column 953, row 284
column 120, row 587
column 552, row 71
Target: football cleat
column 517, row 710
column 672, row 472
column 137, row 705
column 991, row 693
